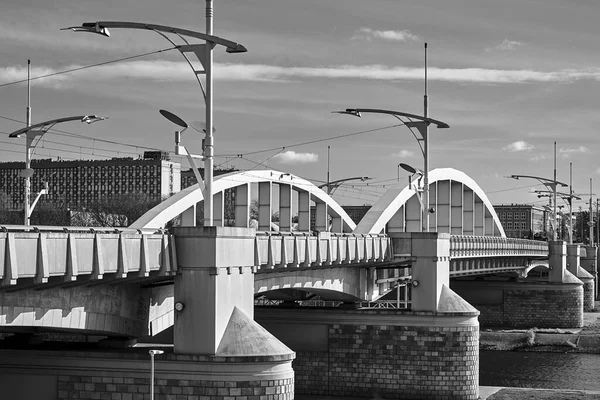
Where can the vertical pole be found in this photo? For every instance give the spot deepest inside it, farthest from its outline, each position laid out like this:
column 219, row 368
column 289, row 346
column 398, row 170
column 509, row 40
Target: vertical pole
column 208, row 145
column 554, row 233
column 328, row 187
column 571, row 203
column 425, row 211
column 27, row 193
column 151, row 375
column 591, row 219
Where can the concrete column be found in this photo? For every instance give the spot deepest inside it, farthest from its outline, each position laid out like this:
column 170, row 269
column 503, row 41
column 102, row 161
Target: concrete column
column 303, row 211
column 431, row 269
column 557, row 261
column 213, row 281
column 218, row 209
column 285, row 207
column 573, row 258
column 574, row 266
column 264, row 206
column 242, row 206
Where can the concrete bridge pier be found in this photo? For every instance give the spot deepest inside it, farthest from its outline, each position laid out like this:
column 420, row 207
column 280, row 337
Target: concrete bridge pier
column 589, row 262
column 214, row 317
column 574, row 267
column 431, row 352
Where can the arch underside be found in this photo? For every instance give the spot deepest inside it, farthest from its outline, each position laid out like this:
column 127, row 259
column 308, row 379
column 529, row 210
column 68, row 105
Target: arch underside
column 461, row 208
column 329, row 215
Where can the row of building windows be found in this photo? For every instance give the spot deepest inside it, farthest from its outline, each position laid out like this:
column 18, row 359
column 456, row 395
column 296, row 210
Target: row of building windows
column 516, row 225
column 513, row 215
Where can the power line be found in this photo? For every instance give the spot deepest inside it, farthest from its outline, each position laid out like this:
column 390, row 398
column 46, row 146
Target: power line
column 87, row 66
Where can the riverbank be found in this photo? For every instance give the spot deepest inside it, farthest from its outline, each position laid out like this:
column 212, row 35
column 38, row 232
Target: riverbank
column 498, row 393
column 582, row 340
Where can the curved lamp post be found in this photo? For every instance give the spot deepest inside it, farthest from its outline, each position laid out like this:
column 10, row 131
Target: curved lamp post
column 331, row 186
column 204, row 53
column 551, row 185
column 33, row 134
column 568, row 199
column 422, row 126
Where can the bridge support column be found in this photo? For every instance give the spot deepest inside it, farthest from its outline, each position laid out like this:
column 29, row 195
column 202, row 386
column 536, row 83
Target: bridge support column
column 215, row 289
column 590, row 263
column 574, row 267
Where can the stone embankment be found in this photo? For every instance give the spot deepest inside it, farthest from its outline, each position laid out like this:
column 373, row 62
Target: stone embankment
column 584, row 340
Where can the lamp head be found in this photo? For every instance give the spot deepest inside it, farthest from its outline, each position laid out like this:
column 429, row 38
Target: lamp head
column 349, row 111
column 173, row 118
column 91, row 27
column 155, row 352
column 408, row 168
column 515, row 177
column 90, row 119
column 237, row 49
column 365, row 178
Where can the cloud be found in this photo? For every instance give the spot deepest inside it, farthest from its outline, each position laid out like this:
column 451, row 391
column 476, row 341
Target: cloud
column 518, row 146
column 506, row 45
column 598, row 171
column 405, row 154
column 538, row 157
column 399, row 36
column 567, row 152
column 176, row 71
column 580, row 149
column 291, row 157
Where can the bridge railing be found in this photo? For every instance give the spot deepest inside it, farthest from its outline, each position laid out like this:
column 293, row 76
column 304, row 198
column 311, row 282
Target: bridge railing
column 279, row 250
column 462, row 246
column 36, row 255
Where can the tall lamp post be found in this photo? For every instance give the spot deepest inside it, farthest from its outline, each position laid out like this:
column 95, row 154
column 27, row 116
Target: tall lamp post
column 422, row 125
column 204, row 54
column 551, row 185
column 33, row 134
column 152, row 354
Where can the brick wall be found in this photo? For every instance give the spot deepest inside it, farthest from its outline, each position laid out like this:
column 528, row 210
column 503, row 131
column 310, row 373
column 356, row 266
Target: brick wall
column 388, row 354
column 524, row 304
column 588, row 294
column 119, row 388
column 548, row 308
column 125, row 375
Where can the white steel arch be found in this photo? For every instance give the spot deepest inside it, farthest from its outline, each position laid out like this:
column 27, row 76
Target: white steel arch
column 307, row 191
column 461, row 207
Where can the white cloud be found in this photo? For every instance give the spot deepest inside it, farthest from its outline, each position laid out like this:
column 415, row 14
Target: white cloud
column 291, row 157
column 506, row 45
column 405, row 154
column 598, row 171
column 518, row 146
column 580, row 149
column 162, row 70
column 369, row 34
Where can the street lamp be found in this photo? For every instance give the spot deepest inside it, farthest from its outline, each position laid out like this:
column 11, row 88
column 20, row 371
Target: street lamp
column 331, row 186
column 33, row 134
column 551, row 185
column 568, row 199
column 422, row 125
column 204, row 54
column 152, row 354
column 178, row 148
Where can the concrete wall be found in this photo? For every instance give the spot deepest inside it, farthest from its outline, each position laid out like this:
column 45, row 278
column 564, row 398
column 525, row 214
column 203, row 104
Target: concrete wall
column 524, row 305
column 383, row 353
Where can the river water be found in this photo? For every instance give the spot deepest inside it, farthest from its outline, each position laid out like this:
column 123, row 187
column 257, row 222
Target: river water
column 539, row 370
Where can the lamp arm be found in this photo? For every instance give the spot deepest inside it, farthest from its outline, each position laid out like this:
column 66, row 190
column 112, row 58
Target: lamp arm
column 413, row 133
column 186, row 58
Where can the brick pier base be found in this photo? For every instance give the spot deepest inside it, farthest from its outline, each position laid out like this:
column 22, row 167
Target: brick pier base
column 380, row 353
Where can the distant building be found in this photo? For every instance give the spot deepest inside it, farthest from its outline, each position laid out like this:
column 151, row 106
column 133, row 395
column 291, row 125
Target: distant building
column 77, row 184
column 188, row 179
column 523, row 220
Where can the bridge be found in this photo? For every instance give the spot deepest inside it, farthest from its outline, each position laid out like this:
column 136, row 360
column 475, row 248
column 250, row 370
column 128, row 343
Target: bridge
column 140, row 281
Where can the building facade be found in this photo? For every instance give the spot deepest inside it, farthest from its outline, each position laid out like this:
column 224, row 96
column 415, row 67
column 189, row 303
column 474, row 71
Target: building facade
column 523, row 221
column 80, row 183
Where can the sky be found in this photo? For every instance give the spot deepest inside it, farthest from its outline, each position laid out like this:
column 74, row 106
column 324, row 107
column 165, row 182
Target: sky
column 511, row 78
